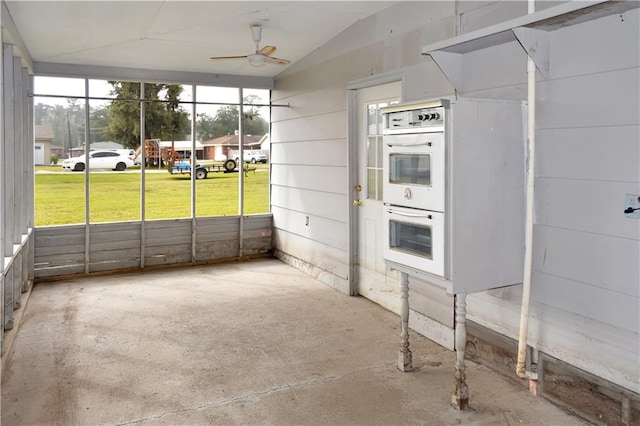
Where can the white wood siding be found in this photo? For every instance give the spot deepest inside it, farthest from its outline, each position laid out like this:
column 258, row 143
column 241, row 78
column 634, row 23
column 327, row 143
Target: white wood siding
column 60, row 250
column 586, row 280
column 586, row 275
column 309, row 146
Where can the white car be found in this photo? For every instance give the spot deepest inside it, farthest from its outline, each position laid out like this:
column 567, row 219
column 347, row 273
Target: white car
column 251, row 156
column 117, row 159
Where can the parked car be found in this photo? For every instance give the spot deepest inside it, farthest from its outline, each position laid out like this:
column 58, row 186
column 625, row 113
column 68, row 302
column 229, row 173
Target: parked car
column 251, row 156
column 117, row 159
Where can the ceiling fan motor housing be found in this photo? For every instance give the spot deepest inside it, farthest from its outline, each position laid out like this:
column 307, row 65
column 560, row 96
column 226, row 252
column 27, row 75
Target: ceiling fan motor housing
column 256, row 31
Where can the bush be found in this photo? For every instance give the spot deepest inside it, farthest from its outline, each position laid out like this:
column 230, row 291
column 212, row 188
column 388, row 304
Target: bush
column 54, row 159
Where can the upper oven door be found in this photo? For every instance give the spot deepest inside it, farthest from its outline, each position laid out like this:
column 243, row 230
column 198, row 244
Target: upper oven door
column 414, row 170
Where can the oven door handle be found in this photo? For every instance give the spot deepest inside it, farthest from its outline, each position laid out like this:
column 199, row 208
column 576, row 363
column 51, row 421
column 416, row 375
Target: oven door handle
column 424, row 216
column 391, row 145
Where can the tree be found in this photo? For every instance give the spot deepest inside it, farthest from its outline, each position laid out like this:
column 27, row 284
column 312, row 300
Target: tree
column 225, row 122
column 162, row 120
column 99, row 122
column 67, row 122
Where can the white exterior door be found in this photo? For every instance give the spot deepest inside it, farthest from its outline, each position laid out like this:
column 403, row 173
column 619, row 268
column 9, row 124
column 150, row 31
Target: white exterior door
column 38, row 154
column 373, row 280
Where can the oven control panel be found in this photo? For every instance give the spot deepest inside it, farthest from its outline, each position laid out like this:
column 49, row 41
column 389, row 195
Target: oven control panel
column 423, row 118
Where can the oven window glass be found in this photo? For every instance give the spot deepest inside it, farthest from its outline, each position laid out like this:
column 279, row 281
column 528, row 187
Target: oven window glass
column 411, row 238
column 410, row 169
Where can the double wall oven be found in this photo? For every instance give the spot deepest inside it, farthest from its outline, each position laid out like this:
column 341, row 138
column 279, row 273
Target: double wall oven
column 454, row 191
column 414, row 186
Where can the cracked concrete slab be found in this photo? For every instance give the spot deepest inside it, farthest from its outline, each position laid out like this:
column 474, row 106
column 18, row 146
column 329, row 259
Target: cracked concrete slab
column 243, row 343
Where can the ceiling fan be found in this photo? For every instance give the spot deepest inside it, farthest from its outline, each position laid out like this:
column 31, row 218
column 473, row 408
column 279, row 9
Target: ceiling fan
column 262, row 56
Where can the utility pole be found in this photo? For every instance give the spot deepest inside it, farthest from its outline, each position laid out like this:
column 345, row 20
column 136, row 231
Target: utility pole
column 69, row 131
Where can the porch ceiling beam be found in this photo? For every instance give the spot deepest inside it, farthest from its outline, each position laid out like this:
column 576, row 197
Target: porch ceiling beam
column 51, row 69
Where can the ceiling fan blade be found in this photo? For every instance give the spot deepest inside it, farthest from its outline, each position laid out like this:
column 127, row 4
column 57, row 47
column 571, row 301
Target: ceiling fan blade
column 273, row 60
column 215, row 58
column 267, row 50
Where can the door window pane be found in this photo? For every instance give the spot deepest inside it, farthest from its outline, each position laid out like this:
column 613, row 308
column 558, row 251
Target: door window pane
column 374, row 150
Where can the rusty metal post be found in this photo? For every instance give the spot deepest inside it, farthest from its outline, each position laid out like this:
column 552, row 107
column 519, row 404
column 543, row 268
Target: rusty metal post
column 460, row 397
column 404, row 356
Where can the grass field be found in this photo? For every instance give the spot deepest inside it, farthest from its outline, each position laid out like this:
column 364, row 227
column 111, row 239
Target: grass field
column 114, row 196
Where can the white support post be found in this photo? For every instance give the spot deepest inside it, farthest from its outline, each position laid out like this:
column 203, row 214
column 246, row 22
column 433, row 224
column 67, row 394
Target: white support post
column 8, row 181
column 460, row 397
column 404, row 356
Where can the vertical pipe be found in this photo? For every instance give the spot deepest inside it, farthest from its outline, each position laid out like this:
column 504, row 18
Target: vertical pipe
column 18, row 144
column 32, row 183
column 87, row 146
column 530, row 201
column 143, row 171
column 193, row 174
column 3, row 189
column 8, row 170
column 241, row 177
column 18, row 197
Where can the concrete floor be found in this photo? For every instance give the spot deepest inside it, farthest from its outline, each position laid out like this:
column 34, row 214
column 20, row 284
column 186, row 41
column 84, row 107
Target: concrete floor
column 245, row 343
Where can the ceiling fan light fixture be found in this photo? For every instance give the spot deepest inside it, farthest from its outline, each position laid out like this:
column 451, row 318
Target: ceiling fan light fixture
column 257, row 60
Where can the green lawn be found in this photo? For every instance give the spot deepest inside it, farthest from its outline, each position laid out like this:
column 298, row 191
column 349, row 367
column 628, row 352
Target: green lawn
column 59, row 195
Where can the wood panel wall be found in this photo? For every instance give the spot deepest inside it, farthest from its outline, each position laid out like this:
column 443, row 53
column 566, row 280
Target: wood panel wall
column 60, row 250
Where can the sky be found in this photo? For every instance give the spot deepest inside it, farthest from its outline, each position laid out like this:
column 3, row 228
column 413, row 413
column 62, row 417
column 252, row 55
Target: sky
column 100, row 88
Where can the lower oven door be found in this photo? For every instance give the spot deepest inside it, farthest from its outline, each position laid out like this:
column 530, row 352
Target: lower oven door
column 415, row 238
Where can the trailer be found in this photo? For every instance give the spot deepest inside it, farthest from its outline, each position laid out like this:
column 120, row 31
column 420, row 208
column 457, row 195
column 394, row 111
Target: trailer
column 203, row 170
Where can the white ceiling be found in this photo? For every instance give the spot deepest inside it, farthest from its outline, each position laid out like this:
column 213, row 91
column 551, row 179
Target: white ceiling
column 176, row 35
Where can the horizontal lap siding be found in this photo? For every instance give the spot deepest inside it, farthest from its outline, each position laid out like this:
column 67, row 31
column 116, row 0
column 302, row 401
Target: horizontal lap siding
column 325, row 231
column 217, row 238
column 324, row 126
column 586, row 279
column 114, row 246
column 586, row 252
column 298, row 153
column 59, row 250
column 589, row 154
column 309, row 179
column 321, row 256
column 258, row 234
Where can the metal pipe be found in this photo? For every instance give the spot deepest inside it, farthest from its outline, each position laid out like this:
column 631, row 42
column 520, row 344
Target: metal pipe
column 241, row 174
column 530, row 200
column 87, row 190
column 194, row 228
column 143, row 175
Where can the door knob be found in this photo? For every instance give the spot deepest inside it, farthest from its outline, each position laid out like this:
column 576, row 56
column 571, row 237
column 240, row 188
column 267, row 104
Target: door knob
column 357, row 203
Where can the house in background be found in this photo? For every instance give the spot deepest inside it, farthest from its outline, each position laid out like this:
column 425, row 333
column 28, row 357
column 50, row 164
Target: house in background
column 58, row 151
column 183, row 148
column 265, row 144
column 224, row 147
column 44, row 136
